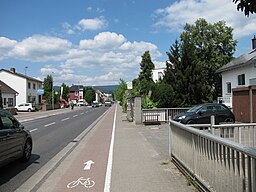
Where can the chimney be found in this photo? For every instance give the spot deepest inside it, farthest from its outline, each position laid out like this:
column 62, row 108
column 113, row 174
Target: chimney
column 12, row 70
column 254, row 42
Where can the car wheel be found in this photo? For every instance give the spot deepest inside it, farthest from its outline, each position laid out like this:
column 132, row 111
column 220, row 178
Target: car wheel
column 27, row 151
column 29, row 110
column 229, row 120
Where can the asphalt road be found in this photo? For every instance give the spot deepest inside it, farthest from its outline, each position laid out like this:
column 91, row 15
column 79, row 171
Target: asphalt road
column 50, row 135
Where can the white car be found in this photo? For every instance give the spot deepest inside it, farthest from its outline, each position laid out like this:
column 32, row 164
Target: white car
column 25, row 107
column 81, row 102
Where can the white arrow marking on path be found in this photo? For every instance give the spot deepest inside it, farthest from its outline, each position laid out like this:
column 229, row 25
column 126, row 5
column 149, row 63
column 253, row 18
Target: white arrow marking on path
column 88, row 165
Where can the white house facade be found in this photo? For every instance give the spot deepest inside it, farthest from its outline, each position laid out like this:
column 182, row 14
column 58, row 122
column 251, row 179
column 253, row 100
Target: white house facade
column 25, row 86
column 8, row 95
column 240, row 72
column 157, row 74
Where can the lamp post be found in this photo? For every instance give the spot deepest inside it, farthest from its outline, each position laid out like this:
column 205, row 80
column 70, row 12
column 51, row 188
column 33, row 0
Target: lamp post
column 52, row 92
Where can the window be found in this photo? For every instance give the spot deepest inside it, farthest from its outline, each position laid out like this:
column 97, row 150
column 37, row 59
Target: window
column 241, row 79
column 8, row 122
column 10, row 102
column 29, row 85
column 34, row 86
column 229, row 87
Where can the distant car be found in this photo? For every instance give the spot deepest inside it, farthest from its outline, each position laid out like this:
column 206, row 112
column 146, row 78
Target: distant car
column 95, row 104
column 81, row 102
column 25, row 107
column 107, row 103
column 15, row 142
column 201, row 114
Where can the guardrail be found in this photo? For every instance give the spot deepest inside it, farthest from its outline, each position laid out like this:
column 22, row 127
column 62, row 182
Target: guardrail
column 162, row 114
column 214, row 163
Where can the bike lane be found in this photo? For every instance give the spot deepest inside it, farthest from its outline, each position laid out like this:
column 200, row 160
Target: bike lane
column 86, row 169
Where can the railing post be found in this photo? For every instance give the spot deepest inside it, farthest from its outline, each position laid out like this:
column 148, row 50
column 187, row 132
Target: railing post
column 212, row 124
column 170, row 140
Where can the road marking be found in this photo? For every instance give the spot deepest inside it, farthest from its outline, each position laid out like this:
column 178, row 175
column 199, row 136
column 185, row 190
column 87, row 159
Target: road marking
column 81, row 113
column 88, row 165
column 75, row 115
column 65, row 119
column 87, row 183
column 33, row 130
column 49, row 124
column 110, row 157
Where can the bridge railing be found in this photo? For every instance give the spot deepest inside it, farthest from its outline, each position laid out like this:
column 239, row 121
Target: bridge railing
column 213, row 162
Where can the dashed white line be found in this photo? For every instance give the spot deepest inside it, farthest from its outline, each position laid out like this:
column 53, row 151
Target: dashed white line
column 81, row 113
column 65, row 119
column 33, row 130
column 49, row 124
column 75, row 115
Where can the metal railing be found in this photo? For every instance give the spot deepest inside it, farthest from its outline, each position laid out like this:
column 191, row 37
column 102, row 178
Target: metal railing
column 163, row 114
column 226, row 100
column 214, row 163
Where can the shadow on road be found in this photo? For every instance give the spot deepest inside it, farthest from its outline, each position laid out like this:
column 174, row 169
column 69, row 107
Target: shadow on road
column 10, row 170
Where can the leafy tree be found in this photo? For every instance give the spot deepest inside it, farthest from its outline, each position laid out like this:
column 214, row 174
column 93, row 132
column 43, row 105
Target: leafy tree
column 65, row 94
column 246, row 6
column 89, row 94
column 214, row 47
column 48, row 86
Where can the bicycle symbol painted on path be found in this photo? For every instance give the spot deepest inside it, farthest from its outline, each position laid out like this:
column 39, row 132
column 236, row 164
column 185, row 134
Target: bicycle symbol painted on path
column 87, row 183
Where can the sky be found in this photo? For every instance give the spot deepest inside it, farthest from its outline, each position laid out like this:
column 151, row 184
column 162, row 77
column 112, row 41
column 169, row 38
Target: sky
column 99, row 42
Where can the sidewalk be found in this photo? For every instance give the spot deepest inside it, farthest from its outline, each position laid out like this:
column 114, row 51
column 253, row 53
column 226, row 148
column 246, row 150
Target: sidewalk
column 140, row 161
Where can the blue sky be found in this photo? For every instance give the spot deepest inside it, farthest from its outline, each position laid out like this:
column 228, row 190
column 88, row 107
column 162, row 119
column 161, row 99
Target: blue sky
column 97, row 42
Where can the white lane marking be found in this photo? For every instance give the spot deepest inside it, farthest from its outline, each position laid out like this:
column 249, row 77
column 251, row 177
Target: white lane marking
column 86, row 112
column 33, row 130
column 65, row 119
column 81, row 113
column 49, row 124
column 110, row 157
column 75, row 115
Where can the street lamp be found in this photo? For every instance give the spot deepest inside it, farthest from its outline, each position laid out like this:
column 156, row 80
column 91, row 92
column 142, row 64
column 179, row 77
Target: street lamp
column 52, row 92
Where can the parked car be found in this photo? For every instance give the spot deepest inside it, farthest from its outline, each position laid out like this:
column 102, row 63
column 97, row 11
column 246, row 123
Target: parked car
column 108, row 103
column 25, row 107
column 201, row 114
column 95, row 104
column 15, row 142
column 81, row 102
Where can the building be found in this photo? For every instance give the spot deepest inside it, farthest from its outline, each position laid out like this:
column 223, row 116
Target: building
column 8, row 95
column 76, row 92
column 158, row 74
column 239, row 85
column 26, row 86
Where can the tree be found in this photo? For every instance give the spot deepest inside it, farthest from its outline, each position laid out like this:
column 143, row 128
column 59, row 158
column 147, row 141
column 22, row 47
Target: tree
column 89, row 94
column 48, row 87
column 65, row 94
column 214, row 47
column 145, row 81
column 246, row 6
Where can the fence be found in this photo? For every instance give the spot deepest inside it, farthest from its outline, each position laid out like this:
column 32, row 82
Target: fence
column 161, row 114
column 214, row 163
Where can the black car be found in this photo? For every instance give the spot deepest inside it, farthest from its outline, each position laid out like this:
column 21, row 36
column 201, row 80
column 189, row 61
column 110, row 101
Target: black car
column 15, row 142
column 201, row 114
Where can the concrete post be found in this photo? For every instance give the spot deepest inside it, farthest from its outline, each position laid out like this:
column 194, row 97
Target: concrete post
column 137, row 111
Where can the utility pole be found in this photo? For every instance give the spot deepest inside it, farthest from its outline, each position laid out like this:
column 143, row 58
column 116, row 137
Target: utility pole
column 52, row 93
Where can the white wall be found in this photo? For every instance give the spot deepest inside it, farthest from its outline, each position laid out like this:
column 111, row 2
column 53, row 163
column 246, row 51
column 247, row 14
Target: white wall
column 17, row 83
column 156, row 72
column 232, row 76
column 8, row 95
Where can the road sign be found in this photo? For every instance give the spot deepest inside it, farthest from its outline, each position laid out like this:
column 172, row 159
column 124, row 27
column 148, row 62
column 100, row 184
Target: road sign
column 39, row 91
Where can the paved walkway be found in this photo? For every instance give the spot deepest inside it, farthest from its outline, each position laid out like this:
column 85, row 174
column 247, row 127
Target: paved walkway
column 140, row 161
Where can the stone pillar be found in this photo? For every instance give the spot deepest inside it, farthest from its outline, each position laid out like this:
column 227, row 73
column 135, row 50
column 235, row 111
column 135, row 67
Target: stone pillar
column 137, row 111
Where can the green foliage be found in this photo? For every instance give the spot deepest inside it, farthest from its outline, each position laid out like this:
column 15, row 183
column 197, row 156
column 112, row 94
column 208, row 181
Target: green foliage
column 89, row 94
column 48, row 85
column 147, row 103
column 65, row 94
column 246, row 6
column 120, row 92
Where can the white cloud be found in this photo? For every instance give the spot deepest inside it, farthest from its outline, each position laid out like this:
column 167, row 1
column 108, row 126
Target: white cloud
column 5, row 46
column 177, row 14
column 41, row 48
column 92, row 24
